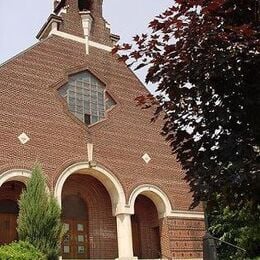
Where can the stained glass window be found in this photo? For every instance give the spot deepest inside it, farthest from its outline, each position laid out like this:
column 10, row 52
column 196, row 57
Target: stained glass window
column 86, row 97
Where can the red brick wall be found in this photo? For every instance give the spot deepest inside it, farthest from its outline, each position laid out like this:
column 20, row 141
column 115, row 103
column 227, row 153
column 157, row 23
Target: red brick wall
column 186, row 237
column 101, row 223
column 30, row 103
column 165, row 239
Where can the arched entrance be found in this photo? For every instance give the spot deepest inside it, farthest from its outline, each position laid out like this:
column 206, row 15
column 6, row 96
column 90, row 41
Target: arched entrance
column 9, row 194
column 87, row 214
column 149, row 205
column 111, row 183
column 145, row 229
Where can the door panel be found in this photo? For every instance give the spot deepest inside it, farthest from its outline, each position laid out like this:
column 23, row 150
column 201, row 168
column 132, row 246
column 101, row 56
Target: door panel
column 8, row 224
column 75, row 243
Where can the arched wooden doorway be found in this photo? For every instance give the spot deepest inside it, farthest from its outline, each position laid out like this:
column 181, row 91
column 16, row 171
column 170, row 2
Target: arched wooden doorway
column 9, row 194
column 87, row 214
column 145, row 229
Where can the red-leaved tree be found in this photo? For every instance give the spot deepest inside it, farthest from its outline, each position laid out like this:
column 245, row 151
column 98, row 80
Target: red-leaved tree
column 204, row 56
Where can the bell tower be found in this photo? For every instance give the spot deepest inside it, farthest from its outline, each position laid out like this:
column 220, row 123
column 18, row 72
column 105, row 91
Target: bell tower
column 79, row 18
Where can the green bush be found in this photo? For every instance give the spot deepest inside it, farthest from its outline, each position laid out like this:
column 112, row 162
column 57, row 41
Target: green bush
column 20, row 251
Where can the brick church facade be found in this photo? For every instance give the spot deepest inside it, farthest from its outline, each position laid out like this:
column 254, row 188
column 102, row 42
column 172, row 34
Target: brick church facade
column 67, row 103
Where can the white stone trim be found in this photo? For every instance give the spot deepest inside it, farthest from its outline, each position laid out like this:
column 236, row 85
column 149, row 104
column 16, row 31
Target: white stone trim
column 21, row 175
column 87, row 21
column 100, row 46
column 110, row 182
column 162, row 203
column 68, row 36
column 187, row 214
column 158, row 197
column 81, row 40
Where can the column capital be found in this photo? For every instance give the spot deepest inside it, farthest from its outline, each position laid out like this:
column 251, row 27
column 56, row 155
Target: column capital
column 123, row 210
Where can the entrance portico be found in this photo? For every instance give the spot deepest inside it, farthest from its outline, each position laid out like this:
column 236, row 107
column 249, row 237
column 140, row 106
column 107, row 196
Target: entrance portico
column 100, row 222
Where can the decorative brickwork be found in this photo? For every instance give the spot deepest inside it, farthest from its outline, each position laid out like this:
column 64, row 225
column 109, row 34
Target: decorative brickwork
column 166, row 252
column 186, row 237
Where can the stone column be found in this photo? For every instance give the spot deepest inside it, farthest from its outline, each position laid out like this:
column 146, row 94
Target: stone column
column 124, row 237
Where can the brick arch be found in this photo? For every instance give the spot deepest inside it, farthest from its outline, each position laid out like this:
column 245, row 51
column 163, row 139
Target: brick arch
column 158, row 197
column 20, row 175
column 108, row 179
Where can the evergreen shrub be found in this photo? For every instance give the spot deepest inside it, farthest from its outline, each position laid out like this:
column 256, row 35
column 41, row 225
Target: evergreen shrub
column 39, row 220
column 20, row 251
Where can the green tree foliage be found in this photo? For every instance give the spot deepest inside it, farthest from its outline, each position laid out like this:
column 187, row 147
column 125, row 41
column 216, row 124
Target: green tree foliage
column 204, row 56
column 39, row 216
column 240, row 227
column 20, row 251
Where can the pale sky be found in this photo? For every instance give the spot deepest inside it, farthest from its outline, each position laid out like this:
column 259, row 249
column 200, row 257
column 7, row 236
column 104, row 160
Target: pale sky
column 20, row 21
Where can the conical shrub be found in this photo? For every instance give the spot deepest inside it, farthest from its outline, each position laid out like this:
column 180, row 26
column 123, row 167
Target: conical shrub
column 39, row 220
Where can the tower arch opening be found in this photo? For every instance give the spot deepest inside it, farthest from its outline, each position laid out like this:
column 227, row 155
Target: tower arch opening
column 84, row 5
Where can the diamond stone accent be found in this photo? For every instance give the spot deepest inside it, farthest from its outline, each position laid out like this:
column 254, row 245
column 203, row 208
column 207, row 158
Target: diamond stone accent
column 23, row 138
column 146, row 158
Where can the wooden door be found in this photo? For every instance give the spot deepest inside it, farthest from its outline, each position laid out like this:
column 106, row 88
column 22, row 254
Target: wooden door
column 8, row 225
column 137, row 248
column 156, row 237
column 75, row 244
